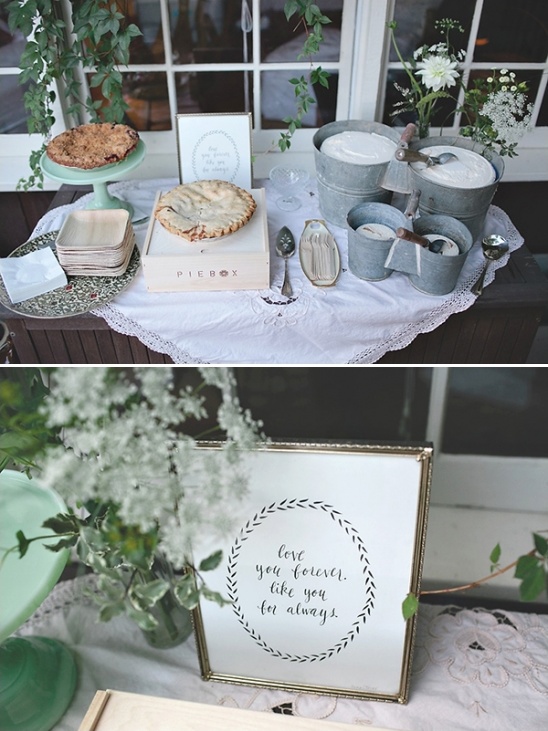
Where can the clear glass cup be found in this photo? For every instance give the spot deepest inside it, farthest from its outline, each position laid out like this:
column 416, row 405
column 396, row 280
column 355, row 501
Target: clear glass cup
column 288, row 182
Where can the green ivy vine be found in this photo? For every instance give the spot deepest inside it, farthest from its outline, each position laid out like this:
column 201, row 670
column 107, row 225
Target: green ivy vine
column 312, row 19
column 97, row 36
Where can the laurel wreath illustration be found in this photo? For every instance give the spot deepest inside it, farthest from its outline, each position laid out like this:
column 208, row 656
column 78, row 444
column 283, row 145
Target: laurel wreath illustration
column 216, row 132
column 232, row 577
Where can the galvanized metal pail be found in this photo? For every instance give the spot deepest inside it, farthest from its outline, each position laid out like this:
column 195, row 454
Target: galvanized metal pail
column 366, row 253
column 469, row 205
column 342, row 185
column 430, row 272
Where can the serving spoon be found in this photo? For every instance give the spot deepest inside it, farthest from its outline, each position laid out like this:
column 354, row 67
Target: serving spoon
column 493, row 247
column 404, row 155
column 285, row 247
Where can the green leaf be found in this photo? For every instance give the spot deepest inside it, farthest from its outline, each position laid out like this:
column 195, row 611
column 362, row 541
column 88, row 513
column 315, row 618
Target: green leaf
column 215, row 596
column 152, row 592
column 211, row 562
column 108, row 611
column 525, row 565
column 541, row 544
column 410, row 606
column 62, row 544
column 23, row 543
column 142, row 619
column 494, row 556
column 184, row 588
column 192, row 600
column 290, row 8
column 533, row 584
column 62, row 523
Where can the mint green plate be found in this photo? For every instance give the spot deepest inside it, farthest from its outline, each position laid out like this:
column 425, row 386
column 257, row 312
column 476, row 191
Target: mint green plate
column 78, row 176
column 25, row 582
column 99, row 177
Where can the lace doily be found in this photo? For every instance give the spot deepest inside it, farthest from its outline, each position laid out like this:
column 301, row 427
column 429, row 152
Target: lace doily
column 473, row 670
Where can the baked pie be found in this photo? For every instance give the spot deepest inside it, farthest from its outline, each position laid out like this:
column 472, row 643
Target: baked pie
column 205, row 209
column 92, row 146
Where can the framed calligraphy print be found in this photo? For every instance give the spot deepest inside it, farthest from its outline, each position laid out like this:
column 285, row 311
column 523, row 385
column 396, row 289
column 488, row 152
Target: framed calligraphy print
column 215, row 147
column 330, row 542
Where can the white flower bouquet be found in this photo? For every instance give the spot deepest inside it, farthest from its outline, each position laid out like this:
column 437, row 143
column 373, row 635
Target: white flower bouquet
column 497, row 111
column 430, row 71
column 139, row 488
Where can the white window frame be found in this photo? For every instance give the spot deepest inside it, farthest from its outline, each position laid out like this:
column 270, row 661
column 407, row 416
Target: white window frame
column 363, row 65
column 476, row 502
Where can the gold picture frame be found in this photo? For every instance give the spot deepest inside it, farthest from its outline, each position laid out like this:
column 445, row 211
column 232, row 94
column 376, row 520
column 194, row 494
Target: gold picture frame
column 330, row 543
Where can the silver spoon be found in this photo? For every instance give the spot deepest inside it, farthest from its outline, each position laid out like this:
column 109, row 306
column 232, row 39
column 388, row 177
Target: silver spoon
column 404, row 155
column 285, row 247
column 493, row 248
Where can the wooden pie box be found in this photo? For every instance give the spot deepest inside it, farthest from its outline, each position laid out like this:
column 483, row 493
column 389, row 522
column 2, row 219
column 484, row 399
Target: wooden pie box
column 112, row 710
column 238, row 261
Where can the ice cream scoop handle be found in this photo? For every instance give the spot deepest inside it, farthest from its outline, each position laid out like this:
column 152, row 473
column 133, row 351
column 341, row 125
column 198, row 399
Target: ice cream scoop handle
column 405, row 155
column 406, row 235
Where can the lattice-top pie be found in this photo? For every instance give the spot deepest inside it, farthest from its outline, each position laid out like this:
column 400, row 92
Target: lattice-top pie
column 205, row 209
column 91, row 146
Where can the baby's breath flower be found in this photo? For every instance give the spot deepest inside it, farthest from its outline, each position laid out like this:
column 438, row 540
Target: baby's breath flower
column 124, row 444
column 498, row 112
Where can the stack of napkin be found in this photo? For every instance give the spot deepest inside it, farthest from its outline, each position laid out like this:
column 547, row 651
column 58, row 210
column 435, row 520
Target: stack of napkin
column 31, row 274
column 96, row 243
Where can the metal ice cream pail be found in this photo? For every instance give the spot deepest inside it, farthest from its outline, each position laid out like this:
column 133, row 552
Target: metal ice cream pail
column 367, row 252
column 469, row 205
column 342, row 185
column 429, row 272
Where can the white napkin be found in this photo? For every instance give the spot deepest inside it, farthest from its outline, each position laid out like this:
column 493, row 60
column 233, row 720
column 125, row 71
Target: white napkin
column 32, row 274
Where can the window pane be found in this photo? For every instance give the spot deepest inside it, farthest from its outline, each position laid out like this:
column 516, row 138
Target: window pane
column 148, row 48
column 497, row 411
column 282, row 40
column 209, row 32
column 543, row 113
column 338, row 403
column 147, row 99
column 513, row 32
column 278, row 100
column 213, row 92
column 13, row 116
column 416, row 18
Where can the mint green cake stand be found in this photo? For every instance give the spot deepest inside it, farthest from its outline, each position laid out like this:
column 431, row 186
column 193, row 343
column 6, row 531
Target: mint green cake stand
column 98, row 178
column 37, row 674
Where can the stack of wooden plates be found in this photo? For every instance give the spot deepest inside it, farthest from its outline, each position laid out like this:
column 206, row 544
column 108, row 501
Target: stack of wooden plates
column 96, row 243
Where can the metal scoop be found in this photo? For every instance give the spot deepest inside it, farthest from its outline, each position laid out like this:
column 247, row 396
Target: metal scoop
column 414, row 156
column 285, row 247
column 493, row 247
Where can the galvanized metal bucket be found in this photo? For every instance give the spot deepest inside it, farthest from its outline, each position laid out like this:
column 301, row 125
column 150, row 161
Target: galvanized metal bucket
column 342, row 185
column 366, row 254
column 469, row 205
column 430, row 272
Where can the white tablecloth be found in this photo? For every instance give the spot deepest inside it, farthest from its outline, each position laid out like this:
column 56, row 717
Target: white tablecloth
column 353, row 322
column 473, row 670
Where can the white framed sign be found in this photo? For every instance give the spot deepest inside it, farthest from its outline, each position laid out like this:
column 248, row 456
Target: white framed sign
column 215, row 147
column 330, row 543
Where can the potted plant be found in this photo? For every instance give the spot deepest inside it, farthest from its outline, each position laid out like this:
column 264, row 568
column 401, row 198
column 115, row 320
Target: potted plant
column 495, row 109
column 122, row 453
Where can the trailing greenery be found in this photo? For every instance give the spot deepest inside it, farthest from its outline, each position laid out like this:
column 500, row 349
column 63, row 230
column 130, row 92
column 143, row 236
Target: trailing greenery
column 24, row 433
column 531, row 570
column 312, row 19
column 97, row 37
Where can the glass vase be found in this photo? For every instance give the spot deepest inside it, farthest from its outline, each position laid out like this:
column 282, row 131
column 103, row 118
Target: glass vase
column 174, row 621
